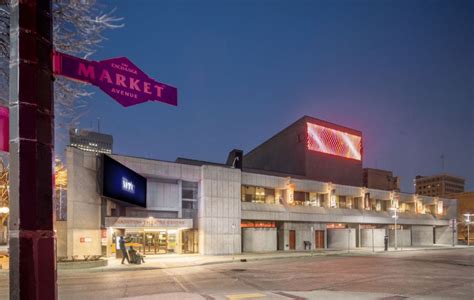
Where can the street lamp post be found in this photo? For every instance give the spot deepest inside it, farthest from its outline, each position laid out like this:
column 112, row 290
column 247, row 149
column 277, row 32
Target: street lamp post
column 395, row 217
column 349, row 240
column 468, row 223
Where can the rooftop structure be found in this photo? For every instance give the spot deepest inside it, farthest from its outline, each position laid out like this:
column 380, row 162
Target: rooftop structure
column 91, row 141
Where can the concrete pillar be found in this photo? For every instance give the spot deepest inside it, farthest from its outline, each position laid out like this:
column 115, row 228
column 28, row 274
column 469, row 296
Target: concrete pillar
column 180, row 198
column 32, row 236
column 325, row 237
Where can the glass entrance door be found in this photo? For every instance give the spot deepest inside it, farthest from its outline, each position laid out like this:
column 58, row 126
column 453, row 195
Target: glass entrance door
column 151, row 243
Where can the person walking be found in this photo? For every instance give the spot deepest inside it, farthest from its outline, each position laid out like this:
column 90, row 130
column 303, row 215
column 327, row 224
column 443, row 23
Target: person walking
column 124, row 250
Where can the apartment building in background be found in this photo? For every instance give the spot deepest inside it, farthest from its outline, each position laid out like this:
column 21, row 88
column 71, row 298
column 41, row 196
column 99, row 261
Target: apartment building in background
column 438, row 185
column 91, row 141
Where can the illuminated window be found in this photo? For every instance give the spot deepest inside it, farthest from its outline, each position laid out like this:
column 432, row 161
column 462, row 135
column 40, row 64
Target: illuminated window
column 335, row 142
column 257, row 194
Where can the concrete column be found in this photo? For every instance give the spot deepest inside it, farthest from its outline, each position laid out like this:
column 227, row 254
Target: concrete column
column 32, row 236
column 180, row 198
column 325, row 237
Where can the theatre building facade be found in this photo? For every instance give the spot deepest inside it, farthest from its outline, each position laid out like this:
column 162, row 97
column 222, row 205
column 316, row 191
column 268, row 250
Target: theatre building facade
column 299, row 190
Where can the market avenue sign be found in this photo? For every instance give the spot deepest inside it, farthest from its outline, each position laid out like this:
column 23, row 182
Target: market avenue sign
column 117, row 77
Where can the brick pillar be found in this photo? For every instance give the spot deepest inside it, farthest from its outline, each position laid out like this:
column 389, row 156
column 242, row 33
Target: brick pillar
column 32, row 237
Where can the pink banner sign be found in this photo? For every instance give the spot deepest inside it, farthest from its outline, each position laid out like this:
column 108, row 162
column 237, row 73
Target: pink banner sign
column 117, row 77
column 4, row 128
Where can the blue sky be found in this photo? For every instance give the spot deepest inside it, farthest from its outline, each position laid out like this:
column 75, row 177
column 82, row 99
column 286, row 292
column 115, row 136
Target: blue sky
column 399, row 71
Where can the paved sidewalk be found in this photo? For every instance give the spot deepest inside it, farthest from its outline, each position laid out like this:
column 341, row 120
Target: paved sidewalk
column 264, row 295
column 166, row 261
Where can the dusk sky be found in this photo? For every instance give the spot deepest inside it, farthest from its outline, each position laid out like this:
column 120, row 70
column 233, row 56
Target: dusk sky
column 402, row 72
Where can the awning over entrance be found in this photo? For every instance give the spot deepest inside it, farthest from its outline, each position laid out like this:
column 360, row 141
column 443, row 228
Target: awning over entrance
column 126, row 222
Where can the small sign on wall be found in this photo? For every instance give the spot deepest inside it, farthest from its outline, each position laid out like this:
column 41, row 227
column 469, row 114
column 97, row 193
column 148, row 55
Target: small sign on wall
column 85, row 239
column 104, row 237
column 333, row 198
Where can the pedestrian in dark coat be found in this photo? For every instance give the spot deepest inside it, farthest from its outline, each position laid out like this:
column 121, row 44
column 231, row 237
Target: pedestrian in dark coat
column 123, row 248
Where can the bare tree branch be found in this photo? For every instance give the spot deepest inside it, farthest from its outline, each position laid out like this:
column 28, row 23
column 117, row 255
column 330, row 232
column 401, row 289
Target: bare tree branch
column 78, row 30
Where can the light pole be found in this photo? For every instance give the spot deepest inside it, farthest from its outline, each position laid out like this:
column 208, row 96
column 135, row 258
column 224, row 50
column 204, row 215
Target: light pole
column 314, row 239
column 349, row 240
column 468, row 223
column 395, row 217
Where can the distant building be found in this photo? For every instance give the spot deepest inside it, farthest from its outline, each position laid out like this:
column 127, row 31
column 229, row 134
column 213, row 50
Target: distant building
column 381, row 179
column 91, row 141
column 465, row 201
column 438, row 185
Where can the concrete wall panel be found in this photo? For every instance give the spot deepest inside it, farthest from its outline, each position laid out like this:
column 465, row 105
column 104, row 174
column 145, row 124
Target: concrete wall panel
column 444, row 236
column 422, row 235
column 220, row 211
column 341, row 238
column 378, row 237
column 259, row 239
column 403, row 238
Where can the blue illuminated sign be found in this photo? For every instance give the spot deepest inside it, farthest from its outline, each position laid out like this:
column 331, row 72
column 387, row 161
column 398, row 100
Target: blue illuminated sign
column 123, row 184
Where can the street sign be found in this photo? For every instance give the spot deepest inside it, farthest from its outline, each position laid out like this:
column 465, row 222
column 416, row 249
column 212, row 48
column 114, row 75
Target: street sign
column 452, row 223
column 117, row 77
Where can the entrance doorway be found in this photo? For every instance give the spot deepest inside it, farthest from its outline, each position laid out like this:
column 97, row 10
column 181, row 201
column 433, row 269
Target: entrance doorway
column 319, row 239
column 292, row 240
column 189, row 240
column 160, row 242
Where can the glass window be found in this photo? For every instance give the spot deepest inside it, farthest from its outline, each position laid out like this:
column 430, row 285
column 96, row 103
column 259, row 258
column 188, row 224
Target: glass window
column 189, row 190
column 257, row 194
column 270, row 196
column 248, row 193
column 342, row 201
column 189, row 204
column 301, row 198
column 349, row 202
column 314, row 199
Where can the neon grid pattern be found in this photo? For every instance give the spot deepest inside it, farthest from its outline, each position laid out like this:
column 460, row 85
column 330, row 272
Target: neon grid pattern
column 335, row 142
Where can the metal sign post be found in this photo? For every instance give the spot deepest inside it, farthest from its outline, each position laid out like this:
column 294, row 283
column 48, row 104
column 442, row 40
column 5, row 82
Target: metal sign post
column 468, row 223
column 32, row 237
column 452, row 225
column 349, row 240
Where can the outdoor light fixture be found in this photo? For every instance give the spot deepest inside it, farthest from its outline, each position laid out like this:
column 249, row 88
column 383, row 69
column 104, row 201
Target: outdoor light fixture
column 4, row 210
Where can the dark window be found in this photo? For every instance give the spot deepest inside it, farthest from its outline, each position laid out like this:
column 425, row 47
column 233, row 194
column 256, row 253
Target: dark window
column 189, row 204
column 189, row 190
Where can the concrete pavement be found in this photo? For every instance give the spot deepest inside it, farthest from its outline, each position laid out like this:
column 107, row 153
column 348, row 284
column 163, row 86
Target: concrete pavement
column 190, row 260
column 429, row 274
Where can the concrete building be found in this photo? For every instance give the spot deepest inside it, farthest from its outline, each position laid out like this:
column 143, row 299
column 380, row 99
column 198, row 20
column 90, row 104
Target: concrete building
column 312, row 148
column 465, row 206
column 381, row 179
column 91, row 141
column 192, row 206
column 438, row 185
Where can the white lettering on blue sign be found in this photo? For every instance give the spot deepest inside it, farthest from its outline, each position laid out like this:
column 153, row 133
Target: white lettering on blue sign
column 128, row 186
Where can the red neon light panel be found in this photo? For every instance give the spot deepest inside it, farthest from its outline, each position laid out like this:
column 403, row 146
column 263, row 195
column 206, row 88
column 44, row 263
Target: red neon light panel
column 332, row 141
